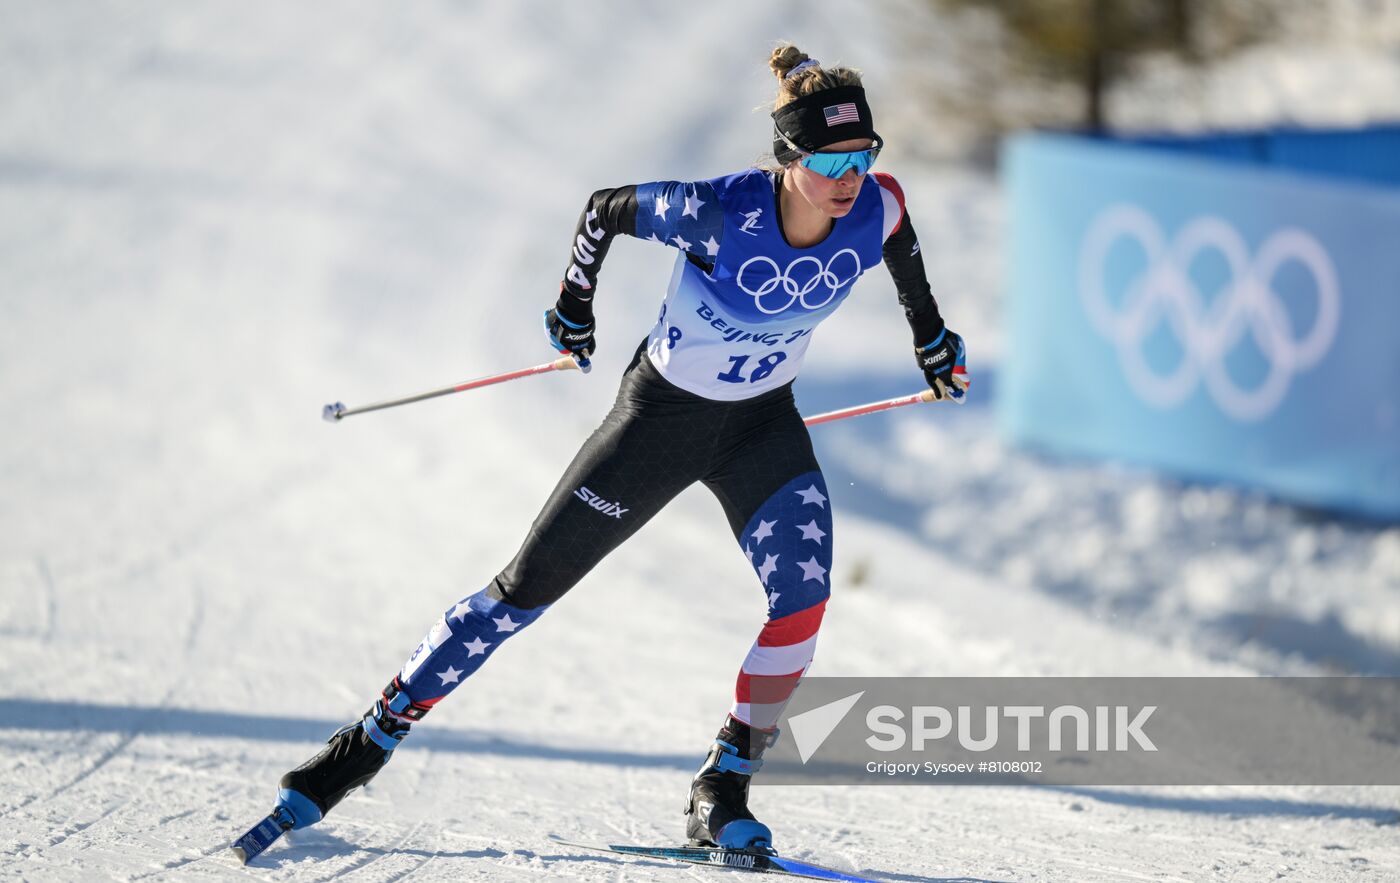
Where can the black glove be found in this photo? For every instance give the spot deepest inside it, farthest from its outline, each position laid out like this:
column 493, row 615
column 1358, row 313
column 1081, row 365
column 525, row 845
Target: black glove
column 944, row 364
column 567, row 335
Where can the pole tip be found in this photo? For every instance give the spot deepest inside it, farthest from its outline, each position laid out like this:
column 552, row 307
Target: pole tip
column 332, row 413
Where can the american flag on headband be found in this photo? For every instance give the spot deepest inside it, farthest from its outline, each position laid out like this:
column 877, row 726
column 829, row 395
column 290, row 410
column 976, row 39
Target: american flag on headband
column 841, row 113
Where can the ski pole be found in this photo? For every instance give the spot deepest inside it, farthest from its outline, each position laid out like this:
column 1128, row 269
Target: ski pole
column 857, row 410
column 338, row 411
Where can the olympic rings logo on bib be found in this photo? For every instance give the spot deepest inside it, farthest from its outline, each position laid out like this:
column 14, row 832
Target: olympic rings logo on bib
column 777, row 289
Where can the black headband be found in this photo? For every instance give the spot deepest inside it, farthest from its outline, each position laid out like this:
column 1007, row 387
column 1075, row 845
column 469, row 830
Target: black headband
column 814, row 121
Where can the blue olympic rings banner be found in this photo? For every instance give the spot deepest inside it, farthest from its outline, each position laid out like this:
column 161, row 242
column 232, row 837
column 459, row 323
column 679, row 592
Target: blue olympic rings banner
column 1215, row 320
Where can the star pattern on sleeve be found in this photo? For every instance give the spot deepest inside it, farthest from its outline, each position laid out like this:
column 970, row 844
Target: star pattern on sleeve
column 698, row 228
column 692, row 205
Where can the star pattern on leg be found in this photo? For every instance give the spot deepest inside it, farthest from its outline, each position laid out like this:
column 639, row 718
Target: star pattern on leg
column 812, row 570
column 506, row 624
column 476, row 647
column 662, row 206
column 812, row 495
column 770, row 564
column 461, row 610
column 810, row 531
column 451, row 676
column 765, row 530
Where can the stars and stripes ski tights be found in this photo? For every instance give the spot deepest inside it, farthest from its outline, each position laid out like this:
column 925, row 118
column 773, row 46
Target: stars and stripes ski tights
column 754, row 455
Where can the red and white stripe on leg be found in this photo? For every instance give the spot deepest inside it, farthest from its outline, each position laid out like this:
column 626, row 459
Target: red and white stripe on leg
column 775, row 664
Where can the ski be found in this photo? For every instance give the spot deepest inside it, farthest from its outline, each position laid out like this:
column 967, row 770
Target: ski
column 731, row 859
column 262, row 835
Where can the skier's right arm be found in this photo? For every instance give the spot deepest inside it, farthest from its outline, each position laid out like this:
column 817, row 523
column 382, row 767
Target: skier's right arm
column 608, row 213
column 570, row 324
column 686, row 215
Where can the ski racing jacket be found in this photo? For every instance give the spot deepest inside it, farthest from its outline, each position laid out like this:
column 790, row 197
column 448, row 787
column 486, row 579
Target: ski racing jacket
column 742, row 303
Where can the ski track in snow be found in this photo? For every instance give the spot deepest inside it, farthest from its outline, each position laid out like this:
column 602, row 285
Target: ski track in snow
column 211, row 223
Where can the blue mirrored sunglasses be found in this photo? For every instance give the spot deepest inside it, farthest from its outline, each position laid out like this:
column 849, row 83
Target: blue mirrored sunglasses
column 834, row 165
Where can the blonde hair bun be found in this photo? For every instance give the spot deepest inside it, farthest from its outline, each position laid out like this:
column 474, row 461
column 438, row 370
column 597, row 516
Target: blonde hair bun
column 812, row 78
column 784, row 59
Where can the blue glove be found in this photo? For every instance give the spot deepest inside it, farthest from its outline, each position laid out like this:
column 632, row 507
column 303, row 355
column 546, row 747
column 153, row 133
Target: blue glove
column 569, row 336
column 944, row 363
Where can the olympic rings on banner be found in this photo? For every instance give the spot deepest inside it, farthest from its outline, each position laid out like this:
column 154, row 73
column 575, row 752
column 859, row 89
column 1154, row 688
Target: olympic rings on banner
column 1248, row 304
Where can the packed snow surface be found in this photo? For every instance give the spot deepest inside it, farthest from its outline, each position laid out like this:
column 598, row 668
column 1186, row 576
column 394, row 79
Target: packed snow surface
column 213, row 220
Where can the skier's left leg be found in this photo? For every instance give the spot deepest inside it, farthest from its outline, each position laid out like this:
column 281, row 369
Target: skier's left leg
column 775, row 498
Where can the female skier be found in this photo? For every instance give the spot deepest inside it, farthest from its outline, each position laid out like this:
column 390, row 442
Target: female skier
column 765, row 255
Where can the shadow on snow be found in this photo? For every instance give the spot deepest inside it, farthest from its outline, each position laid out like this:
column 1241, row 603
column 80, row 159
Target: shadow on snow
column 34, row 714
column 1234, row 806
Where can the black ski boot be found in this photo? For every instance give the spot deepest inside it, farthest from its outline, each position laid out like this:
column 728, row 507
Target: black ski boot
column 350, row 759
column 718, row 811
